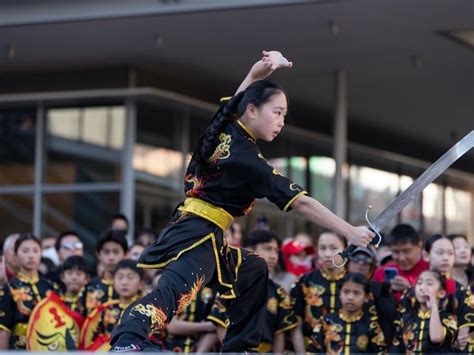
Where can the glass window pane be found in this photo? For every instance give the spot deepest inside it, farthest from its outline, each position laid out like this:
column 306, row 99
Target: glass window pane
column 79, row 144
column 458, row 211
column 64, row 122
column 88, row 213
column 433, row 209
column 94, row 126
column 158, row 150
column 17, row 146
column 322, row 171
column 17, row 214
column 117, row 126
column 299, row 165
column 371, row 187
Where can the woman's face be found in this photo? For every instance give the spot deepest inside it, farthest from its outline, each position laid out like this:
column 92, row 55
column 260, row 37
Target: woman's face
column 462, row 252
column 328, row 245
column 441, row 257
column 29, row 255
column 267, row 121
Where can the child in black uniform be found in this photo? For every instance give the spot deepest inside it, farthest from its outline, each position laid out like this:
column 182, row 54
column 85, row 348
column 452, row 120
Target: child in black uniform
column 352, row 329
column 110, row 250
column 20, row 295
column 431, row 326
column 225, row 176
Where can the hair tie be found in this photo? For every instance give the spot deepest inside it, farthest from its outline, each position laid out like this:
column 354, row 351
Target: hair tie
column 450, row 286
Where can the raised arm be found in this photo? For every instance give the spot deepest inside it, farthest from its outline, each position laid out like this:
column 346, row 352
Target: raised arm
column 317, row 213
column 270, row 61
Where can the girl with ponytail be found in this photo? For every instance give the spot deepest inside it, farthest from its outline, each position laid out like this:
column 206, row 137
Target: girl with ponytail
column 432, row 326
column 226, row 174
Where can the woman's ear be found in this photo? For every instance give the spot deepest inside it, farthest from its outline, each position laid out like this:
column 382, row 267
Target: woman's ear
column 441, row 294
column 251, row 111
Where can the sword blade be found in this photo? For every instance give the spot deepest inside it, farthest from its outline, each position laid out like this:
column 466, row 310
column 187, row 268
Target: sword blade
column 435, row 170
column 430, row 174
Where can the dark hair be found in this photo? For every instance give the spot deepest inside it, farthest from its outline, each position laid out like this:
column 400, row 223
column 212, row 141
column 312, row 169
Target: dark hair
column 357, row 278
column 60, row 238
column 148, row 231
column 120, row 216
column 449, row 302
column 115, row 236
column 328, row 231
column 259, row 236
column 24, row 237
column 451, row 237
column 257, row 94
column 433, row 239
column 403, row 233
column 50, row 266
column 75, row 262
column 130, row 265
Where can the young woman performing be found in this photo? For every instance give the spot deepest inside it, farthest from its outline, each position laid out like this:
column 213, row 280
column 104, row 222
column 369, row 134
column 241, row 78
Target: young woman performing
column 225, row 176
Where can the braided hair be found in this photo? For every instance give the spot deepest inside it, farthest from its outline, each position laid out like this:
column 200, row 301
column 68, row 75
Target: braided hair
column 257, row 94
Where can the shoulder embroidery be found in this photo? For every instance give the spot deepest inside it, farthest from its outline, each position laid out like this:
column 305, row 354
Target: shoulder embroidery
column 223, row 148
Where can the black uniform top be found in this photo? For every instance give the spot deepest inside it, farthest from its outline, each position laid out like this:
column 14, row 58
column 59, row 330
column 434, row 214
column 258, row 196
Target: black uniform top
column 18, row 297
column 467, row 318
column 344, row 334
column 279, row 316
column 197, row 311
column 238, row 174
column 314, row 295
column 75, row 302
column 462, row 308
column 99, row 291
column 412, row 334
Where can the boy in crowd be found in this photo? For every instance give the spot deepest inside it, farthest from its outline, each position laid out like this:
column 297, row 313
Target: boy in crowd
column 74, row 276
column 56, row 321
column 110, row 250
column 128, row 283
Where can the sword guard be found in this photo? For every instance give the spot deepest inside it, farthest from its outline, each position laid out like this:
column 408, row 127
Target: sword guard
column 340, row 259
column 372, row 228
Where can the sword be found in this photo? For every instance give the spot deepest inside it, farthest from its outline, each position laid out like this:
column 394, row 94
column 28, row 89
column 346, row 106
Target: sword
column 430, row 174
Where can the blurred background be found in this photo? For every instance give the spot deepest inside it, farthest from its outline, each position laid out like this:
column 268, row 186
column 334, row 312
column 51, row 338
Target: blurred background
column 101, row 104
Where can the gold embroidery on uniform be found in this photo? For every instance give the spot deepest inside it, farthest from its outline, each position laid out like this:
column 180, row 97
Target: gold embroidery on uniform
column 272, row 305
column 157, row 316
column 351, row 318
column 20, row 296
column 313, row 295
column 93, row 298
column 470, row 301
column 362, row 342
column 223, row 148
column 285, row 302
column 408, row 336
column 294, row 187
column 333, row 334
column 450, row 322
column 379, row 339
column 186, row 298
column 276, row 172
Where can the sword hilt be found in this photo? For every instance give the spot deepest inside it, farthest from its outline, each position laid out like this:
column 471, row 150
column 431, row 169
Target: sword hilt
column 340, row 259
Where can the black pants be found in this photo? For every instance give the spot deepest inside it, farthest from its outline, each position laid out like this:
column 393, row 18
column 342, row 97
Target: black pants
column 179, row 283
